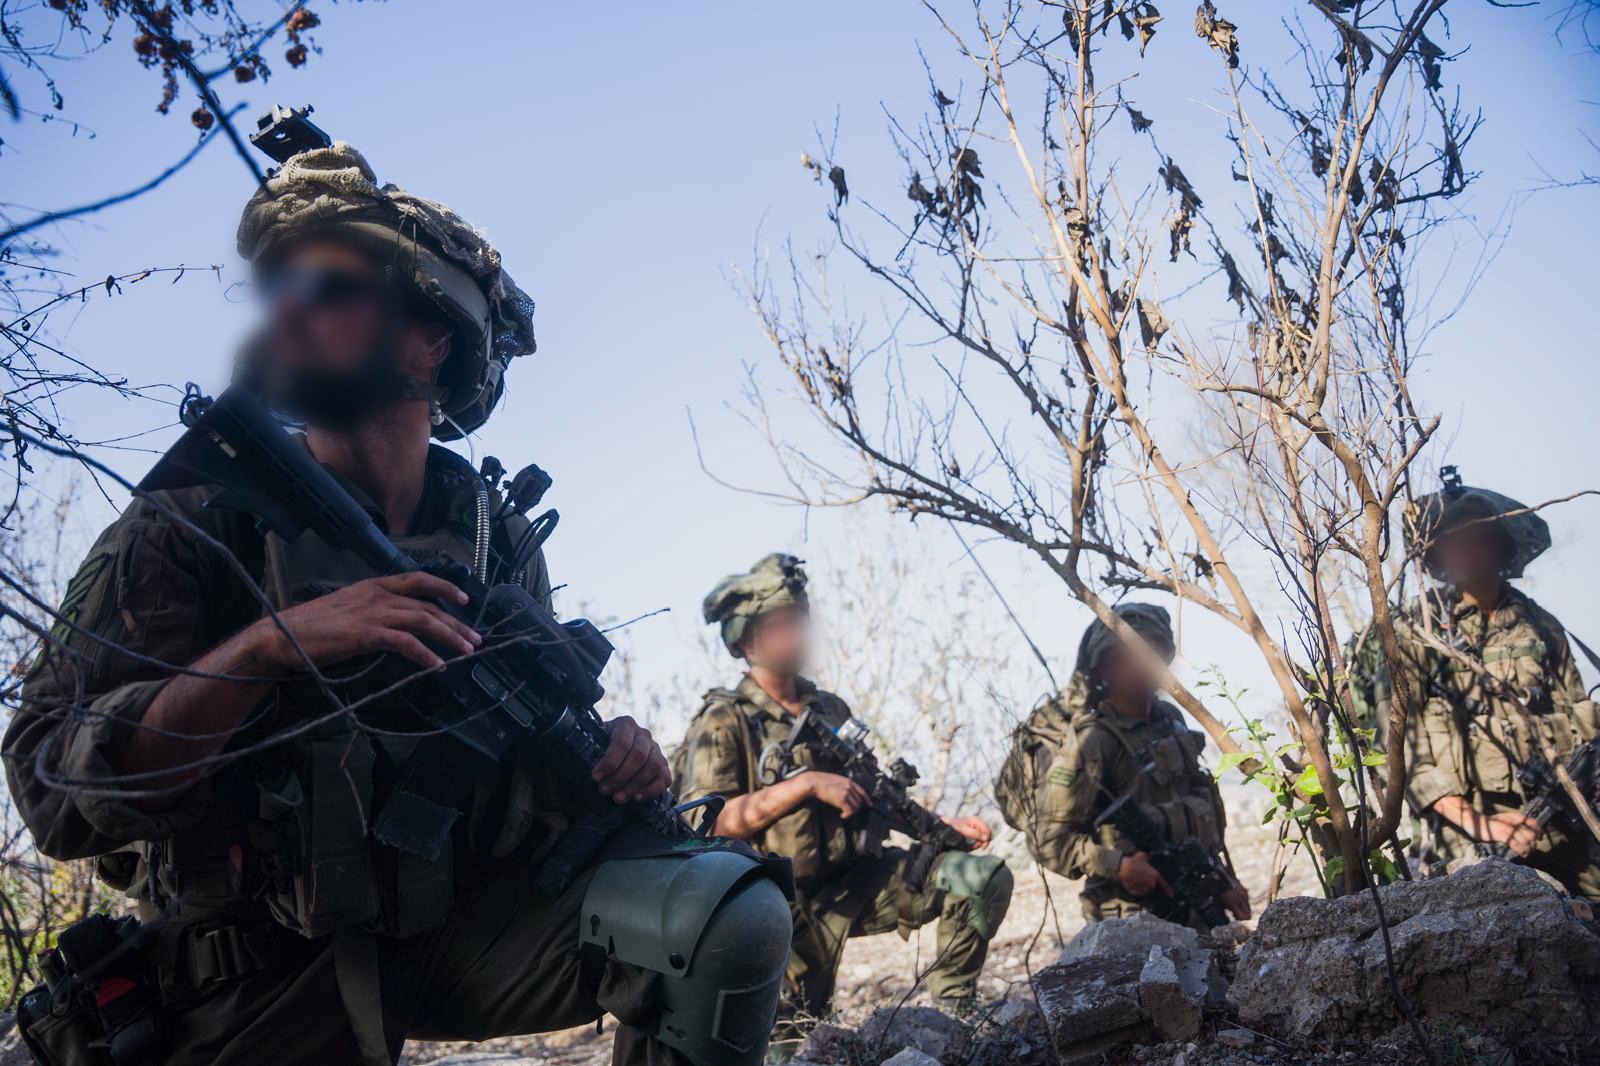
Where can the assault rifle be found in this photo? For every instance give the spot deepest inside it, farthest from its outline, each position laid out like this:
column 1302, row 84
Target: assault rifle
column 1194, row 874
column 1545, row 800
column 534, row 676
column 846, row 751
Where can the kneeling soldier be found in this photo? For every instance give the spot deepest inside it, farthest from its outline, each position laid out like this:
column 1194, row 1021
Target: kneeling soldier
column 226, row 718
column 740, row 745
column 1495, row 690
column 1107, row 738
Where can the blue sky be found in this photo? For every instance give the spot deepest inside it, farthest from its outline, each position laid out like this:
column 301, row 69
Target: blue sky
column 625, row 158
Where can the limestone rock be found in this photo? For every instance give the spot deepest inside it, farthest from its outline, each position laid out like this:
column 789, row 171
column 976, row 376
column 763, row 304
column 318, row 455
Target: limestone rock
column 910, row 1056
column 1236, row 1038
column 930, row 1031
column 1091, row 1004
column 1172, row 999
column 828, row 1045
column 1012, row 1034
column 1129, row 936
column 1491, row 944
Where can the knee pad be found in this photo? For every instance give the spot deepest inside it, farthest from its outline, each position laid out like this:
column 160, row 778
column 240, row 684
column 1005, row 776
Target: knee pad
column 985, row 881
column 716, row 927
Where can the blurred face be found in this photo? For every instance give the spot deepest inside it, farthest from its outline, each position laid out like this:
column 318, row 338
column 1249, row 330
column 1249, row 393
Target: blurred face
column 780, row 641
column 1471, row 554
column 1125, row 680
column 336, row 336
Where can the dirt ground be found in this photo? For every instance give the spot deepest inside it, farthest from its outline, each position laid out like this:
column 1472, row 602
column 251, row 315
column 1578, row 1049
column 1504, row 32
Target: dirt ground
column 879, row 971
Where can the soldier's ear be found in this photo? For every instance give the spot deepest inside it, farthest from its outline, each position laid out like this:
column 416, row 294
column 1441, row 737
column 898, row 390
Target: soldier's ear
column 435, row 340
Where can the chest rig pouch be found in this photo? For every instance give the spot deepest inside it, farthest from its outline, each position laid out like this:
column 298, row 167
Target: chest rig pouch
column 316, row 801
column 814, row 834
column 1169, row 780
column 1499, row 736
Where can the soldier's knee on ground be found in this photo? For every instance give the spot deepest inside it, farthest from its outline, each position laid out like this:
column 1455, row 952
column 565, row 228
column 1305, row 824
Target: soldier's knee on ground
column 985, row 881
column 716, row 928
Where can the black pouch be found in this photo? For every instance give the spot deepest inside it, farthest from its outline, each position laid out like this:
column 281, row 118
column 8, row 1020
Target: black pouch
column 100, row 1005
column 59, row 1034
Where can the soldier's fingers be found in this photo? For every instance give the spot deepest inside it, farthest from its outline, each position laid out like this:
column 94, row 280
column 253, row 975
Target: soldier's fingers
column 638, row 753
column 456, row 624
column 421, row 586
column 651, row 780
column 431, row 627
column 1161, row 883
column 408, row 605
column 621, row 730
column 402, row 643
column 644, row 763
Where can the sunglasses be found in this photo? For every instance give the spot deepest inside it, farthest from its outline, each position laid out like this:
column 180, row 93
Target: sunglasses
column 316, row 288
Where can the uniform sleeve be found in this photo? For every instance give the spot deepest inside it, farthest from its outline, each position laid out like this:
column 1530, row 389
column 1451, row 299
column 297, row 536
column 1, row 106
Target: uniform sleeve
column 1433, row 754
column 1568, row 693
column 714, row 756
column 131, row 613
column 1064, row 839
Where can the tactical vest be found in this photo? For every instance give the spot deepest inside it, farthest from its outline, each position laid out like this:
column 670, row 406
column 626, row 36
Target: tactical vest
column 813, row 835
column 1494, row 737
column 304, row 851
column 1168, row 779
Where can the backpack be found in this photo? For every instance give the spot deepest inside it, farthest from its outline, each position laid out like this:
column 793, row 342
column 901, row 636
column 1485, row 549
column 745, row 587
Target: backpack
column 1035, row 744
column 678, row 759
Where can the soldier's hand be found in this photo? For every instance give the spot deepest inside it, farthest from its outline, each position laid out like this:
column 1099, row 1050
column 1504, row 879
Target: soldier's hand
column 1515, row 830
column 381, row 614
column 633, row 766
column 1236, row 901
column 837, row 790
column 973, row 828
column 1139, row 877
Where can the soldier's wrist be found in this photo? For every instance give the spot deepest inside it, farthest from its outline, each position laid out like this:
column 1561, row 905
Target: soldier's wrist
column 262, row 647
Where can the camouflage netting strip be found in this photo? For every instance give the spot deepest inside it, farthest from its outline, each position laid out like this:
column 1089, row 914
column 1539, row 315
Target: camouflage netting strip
column 326, row 186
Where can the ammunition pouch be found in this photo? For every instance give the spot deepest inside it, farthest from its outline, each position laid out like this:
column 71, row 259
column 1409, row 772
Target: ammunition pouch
column 715, row 924
column 100, row 1004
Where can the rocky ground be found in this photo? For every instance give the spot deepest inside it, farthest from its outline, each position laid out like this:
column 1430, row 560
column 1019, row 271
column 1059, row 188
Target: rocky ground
column 1497, row 968
column 878, row 971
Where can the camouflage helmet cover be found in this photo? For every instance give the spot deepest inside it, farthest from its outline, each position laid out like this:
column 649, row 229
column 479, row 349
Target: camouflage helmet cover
column 775, row 582
column 1150, row 621
column 1527, row 534
column 333, row 191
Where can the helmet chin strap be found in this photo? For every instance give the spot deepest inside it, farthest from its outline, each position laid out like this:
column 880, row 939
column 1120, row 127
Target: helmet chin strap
column 407, row 387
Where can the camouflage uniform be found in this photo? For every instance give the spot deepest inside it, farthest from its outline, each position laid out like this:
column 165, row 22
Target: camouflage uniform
column 1076, row 755
column 1465, row 737
column 840, row 892
column 264, row 939
column 286, row 933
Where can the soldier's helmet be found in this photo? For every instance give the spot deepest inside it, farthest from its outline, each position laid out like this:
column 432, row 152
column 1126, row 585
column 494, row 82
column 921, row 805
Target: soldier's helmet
column 329, row 190
column 776, row 581
column 1150, row 621
column 1527, row 535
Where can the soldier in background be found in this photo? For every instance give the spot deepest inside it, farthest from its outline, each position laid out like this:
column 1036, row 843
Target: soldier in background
column 765, row 620
column 1467, row 734
column 1105, row 737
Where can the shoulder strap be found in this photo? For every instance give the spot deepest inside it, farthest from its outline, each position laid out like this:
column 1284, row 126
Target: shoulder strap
column 1536, row 619
column 1588, row 652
